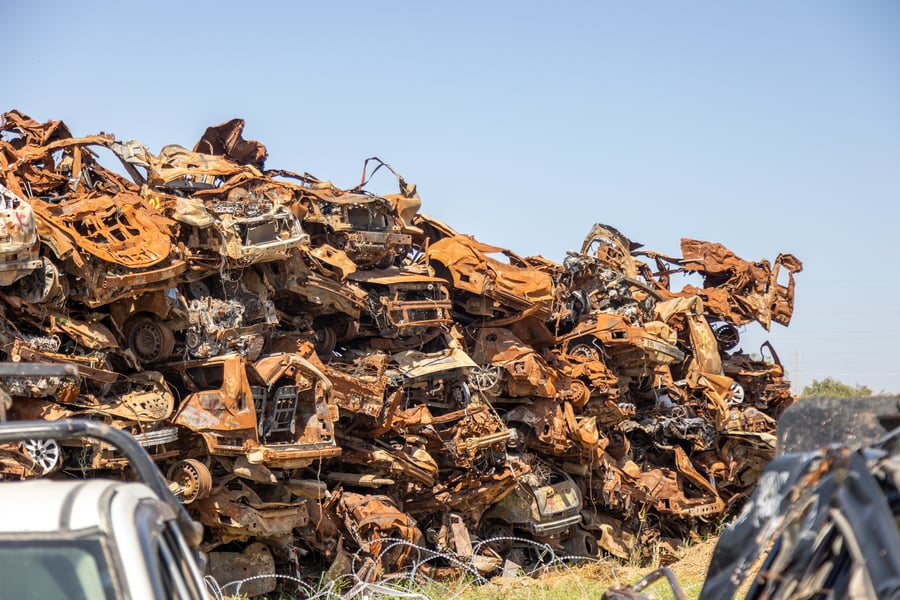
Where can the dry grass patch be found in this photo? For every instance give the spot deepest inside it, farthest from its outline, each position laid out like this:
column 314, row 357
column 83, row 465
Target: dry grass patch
column 590, row 581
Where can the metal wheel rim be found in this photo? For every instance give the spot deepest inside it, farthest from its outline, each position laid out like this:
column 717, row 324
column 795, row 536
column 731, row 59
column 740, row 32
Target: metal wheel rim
column 45, row 454
column 485, row 379
column 193, row 478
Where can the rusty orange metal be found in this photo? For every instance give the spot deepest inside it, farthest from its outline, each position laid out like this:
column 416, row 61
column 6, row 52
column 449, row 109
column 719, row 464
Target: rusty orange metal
column 316, row 369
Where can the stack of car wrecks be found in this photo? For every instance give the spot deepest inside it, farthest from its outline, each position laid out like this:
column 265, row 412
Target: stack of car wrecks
column 317, row 370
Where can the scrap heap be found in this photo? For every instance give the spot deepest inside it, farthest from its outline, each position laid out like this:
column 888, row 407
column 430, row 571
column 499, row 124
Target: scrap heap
column 315, row 369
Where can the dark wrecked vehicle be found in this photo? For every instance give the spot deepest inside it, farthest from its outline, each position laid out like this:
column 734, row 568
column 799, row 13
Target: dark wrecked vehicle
column 314, row 299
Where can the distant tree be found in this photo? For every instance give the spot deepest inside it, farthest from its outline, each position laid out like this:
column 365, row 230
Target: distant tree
column 834, row 388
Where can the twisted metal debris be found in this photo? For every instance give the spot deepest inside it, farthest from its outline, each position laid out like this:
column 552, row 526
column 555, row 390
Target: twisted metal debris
column 317, row 369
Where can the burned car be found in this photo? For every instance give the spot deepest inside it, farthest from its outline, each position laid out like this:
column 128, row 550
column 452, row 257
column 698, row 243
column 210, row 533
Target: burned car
column 485, row 287
column 368, row 228
column 822, row 521
column 735, row 291
column 627, row 345
column 403, row 304
column 274, row 411
column 197, row 319
column 230, row 213
column 426, row 394
column 361, row 225
column 546, row 505
column 508, row 368
column 91, row 221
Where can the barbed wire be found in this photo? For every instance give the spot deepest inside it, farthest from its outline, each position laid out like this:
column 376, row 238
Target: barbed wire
column 408, row 581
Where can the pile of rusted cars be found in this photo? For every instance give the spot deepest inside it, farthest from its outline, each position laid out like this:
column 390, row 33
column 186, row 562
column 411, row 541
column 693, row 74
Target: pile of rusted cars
column 316, row 369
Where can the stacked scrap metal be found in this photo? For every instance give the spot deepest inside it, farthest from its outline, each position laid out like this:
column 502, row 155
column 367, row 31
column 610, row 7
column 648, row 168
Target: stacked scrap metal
column 317, row 369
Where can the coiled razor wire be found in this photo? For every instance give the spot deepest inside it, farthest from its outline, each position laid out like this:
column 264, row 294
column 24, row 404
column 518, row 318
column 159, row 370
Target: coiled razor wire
column 403, row 583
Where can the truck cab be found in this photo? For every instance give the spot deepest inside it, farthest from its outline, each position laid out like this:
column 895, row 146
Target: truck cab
column 88, row 539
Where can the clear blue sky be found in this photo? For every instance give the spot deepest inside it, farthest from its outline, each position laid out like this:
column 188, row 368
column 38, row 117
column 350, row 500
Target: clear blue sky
column 767, row 126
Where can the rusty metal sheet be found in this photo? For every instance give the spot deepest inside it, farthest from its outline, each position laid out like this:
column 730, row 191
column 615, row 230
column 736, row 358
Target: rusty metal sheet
column 226, row 139
column 413, row 364
column 751, row 290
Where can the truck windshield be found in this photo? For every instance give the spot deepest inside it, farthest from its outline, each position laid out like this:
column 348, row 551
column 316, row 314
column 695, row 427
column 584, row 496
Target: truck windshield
column 63, row 569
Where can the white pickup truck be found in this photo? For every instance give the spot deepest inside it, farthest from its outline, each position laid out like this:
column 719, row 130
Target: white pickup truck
column 95, row 539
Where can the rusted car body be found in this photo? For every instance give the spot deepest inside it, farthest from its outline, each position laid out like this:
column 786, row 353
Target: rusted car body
column 227, row 209
column 403, row 303
column 485, row 287
column 90, row 219
column 197, row 319
column 368, row 228
column 735, row 290
column 80, row 232
column 361, row 226
column 307, row 299
column 435, row 402
column 546, row 503
column 609, row 246
column 314, row 368
column 630, row 346
column 274, row 410
column 369, row 521
column 509, row 369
